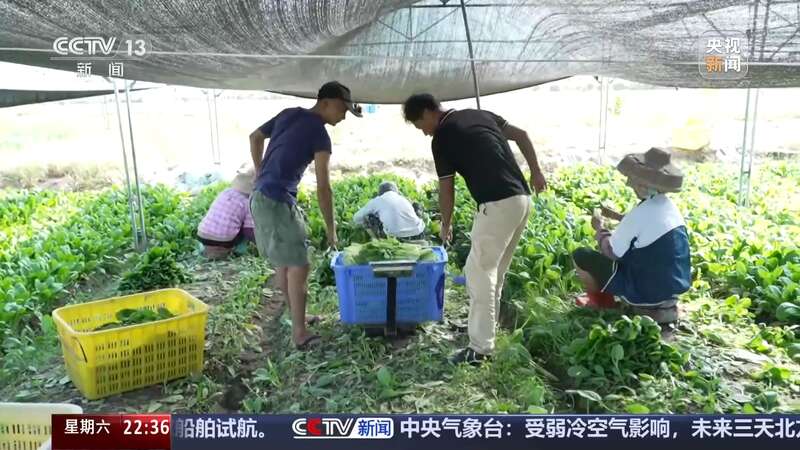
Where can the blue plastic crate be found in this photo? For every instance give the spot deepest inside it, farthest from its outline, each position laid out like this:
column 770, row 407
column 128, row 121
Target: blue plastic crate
column 362, row 296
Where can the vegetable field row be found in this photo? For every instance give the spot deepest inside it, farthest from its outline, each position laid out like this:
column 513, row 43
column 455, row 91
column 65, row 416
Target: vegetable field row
column 744, row 301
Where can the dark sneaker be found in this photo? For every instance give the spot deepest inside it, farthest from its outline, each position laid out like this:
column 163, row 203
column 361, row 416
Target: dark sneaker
column 468, row 356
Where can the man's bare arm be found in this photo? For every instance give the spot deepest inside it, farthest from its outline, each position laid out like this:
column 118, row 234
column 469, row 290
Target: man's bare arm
column 325, row 194
column 447, row 200
column 525, row 145
column 257, row 139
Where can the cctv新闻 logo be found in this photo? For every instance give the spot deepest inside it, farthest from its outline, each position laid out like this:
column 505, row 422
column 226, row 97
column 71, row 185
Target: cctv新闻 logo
column 343, row 428
column 84, row 46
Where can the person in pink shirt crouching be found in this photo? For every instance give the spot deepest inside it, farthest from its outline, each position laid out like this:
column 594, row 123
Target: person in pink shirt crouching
column 228, row 221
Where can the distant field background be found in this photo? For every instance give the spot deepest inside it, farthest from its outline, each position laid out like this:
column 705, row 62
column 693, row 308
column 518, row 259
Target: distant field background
column 77, row 142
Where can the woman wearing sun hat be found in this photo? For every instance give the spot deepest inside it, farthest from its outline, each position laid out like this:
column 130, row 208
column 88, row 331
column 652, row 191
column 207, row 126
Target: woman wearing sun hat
column 645, row 261
column 228, row 220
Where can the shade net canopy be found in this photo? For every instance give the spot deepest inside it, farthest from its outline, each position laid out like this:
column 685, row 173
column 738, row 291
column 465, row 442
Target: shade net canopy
column 387, row 49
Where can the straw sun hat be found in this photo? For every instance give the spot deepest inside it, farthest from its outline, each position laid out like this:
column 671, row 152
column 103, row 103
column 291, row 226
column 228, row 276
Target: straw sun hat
column 243, row 181
column 652, row 168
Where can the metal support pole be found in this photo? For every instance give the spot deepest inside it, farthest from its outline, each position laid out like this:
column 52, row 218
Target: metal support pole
column 410, row 33
column 603, row 121
column 143, row 231
column 211, row 117
column 134, row 228
column 471, row 56
column 210, row 125
column 105, row 112
column 748, row 151
column 410, row 30
column 218, row 159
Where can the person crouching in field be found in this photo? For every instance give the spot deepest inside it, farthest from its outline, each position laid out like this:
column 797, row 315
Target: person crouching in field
column 228, row 221
column 391, row 214
column 645, row 261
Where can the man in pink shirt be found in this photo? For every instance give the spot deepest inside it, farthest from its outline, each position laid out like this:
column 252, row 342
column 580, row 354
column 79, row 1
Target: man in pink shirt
column 228, row 220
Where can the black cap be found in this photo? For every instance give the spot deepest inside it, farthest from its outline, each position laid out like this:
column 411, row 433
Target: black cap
column 334, row 89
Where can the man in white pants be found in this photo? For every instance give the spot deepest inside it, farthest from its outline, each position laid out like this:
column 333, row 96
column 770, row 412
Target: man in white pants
column 474, row 144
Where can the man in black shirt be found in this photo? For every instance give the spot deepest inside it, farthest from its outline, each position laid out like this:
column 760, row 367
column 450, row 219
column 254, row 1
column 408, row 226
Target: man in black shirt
column 475, row 145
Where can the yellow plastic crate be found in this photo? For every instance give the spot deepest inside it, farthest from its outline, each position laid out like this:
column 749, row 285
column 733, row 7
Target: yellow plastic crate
column 26, row 426
column 103, row 363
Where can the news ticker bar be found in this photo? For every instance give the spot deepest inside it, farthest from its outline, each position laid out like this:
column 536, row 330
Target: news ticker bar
column 421, row 432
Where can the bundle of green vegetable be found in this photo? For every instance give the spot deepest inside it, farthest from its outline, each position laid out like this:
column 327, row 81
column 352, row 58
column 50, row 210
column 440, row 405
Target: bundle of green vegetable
column 128, row 316
column 157, row 269
column 386, row 250
column 621, row 352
